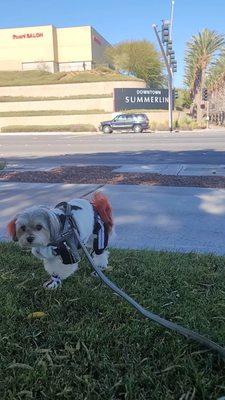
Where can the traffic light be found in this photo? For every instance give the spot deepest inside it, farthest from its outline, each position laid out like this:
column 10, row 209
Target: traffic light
column 172, row 56
column 176, row 94
column 204, row 94
column 165, row 31
column 169, row 47
column 174, row 66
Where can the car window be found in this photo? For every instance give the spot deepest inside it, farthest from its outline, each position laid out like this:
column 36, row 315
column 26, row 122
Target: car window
column 137, row 118
column 120, row 118
column 129, row 118
column 141, row 117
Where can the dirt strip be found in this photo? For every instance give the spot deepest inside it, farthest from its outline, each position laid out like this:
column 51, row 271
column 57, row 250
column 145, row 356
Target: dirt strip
column 105, row 175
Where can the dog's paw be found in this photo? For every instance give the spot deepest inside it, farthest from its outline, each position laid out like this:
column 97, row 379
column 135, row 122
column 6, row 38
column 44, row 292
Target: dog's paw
column 53, row 283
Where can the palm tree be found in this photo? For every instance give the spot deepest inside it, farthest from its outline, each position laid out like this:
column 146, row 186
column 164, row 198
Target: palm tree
column 216, row 74
column 216, row 84
column 201, row 52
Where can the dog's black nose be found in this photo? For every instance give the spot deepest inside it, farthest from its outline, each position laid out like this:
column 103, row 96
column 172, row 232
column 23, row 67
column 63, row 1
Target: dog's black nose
column 30, row 239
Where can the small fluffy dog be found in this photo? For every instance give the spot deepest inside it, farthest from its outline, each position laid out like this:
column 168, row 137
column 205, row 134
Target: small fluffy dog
column 37, row 227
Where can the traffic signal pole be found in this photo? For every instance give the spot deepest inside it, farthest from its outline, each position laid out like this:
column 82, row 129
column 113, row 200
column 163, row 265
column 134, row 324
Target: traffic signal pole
column 170, row 92
column 207, row 114
column 205, row 98
column 170, row 78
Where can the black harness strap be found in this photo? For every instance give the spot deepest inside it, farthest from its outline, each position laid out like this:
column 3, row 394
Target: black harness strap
column 67, row 245
column 101, row 237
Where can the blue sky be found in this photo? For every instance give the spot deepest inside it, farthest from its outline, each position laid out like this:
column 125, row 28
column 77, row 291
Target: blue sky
column 118, row 20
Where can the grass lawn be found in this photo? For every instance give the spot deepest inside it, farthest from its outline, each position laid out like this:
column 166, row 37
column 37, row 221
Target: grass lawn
column 26, row 78
column 5, row 99
column 92, row 345
column 34, row 113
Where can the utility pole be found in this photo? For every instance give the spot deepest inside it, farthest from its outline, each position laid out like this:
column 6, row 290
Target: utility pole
column 171, row 18
column 205, row 98
column 169, row 57
column 170, row 78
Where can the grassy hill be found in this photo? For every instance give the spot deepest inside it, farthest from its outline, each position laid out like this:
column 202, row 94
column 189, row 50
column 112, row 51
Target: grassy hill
column 26, row 78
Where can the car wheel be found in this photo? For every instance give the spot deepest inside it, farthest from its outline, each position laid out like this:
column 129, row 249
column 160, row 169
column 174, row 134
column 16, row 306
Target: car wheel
column 137, row 128
column 107, row 129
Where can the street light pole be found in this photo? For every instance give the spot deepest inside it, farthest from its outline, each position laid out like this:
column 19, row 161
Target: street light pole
column 170, row 92
column 171, row 18
column 170, row 79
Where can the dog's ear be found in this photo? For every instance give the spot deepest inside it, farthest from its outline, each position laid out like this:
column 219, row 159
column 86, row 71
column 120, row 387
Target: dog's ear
column 11, row 228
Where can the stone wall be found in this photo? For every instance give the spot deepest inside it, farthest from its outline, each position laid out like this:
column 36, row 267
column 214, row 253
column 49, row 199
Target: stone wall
column 105, row 104
column 94, row 119
column 70, row 89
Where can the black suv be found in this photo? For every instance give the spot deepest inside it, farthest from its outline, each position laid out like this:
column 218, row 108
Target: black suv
column 135, row 122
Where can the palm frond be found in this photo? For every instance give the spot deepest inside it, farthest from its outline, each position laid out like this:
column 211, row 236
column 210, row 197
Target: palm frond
column 201, row 52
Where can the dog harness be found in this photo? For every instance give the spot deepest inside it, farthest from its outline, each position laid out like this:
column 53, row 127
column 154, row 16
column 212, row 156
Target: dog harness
column 66, row 245
column 101, row 237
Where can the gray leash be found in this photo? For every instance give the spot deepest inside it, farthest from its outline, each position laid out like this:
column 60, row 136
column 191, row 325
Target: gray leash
column 154, row 317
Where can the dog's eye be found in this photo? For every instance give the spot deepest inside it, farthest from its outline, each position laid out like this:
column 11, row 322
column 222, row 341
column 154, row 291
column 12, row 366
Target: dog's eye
column 38, row 227
column 23, row 228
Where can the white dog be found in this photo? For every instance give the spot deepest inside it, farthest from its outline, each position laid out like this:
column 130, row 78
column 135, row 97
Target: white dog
column 37, row 228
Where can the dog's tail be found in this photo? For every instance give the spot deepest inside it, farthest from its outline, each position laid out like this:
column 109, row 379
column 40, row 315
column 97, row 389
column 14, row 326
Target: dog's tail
column 104, row 209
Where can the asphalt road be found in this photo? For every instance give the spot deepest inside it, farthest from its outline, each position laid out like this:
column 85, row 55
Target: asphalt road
column 116, row 149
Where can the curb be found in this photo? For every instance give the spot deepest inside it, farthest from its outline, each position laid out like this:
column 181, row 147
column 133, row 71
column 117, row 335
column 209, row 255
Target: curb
column 49, row 133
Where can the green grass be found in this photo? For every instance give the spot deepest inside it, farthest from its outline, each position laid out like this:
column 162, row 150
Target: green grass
column 26, row 78
column 92, row 345
column 8, row 99
column 183, row 124
column 2, row 165
column 49, row 128
column 34, row 113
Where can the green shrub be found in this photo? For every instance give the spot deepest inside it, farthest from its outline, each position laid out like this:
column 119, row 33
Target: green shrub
column 34, row 113
column 159, row 126
column 7, row 99
column 49, row 128
column 183, row 124
column 188, row 123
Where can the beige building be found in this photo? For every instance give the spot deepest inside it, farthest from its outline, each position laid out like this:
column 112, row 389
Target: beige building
column 51, row 49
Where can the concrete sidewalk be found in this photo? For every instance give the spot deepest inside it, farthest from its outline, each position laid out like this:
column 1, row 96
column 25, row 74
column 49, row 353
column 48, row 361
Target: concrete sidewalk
column 175, row 169
column 15, row 197
column 160, row 218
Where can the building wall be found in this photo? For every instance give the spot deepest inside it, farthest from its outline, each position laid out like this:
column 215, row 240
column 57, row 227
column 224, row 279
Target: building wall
column 99, row 46
column 70, row 89
column 25, row 45
column 49, row 66
column 49, row 48
column 74, row 44
column 105, row 104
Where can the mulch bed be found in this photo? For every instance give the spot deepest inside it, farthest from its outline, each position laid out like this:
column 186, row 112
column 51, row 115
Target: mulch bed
column 105, row 175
